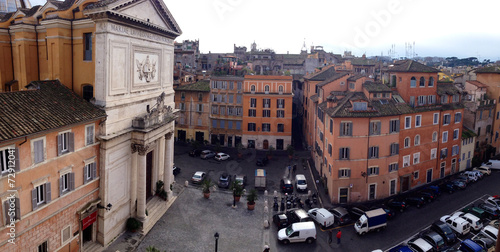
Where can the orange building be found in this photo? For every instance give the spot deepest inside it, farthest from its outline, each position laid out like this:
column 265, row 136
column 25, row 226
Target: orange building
column 267, row 111
column 50, row 198
column 193, row 102
column 372, row 141
column 119, row 56
column 490, row 76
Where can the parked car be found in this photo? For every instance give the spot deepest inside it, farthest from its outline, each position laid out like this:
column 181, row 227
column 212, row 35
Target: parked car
column 469, row 245
column 490, row 232
column 341, row 214
column 476, row 211
column 445, row 231
column 472, row 176
column 242, row 179
column 463, row 178
column 176, row 170
column 493, row 201
column 419, row 244
column 224, row 180
column 322, row 217
column 295, row 215
column 435, row 189
column 280, row 220
column 397, row 204
column 485, row 242
column 286, row 185
column 198, row 177
column 492, row 164
column 427, row 196
column 459, row 184
column 457, row 224
column 194, row 152
column 357, row 211
column 221, row 156
column 474, row 221
column 448, row 187
column 298, row 232
column 206, row 154
column 494, row 223
column 262, row 161
column 300, row 183
column 483, row 169
column 434, row 239
column 434, row 193
column 415, row 201
column 491, row 210
column 401, row 248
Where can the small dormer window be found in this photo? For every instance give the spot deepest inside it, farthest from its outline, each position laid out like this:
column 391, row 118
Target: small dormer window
column 351, row 85
column 359, row 106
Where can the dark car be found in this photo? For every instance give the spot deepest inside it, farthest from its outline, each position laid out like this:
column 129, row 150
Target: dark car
column 415, row 201
column 390, row 212
column 280, row 220
column 397, row 204
column 435, row 189
column 434, row 193
column 286, row 185
column 194, row 153
column 434, row 239
column 224, row 180
column 444, row 230
column 491, row 210
column 262, row 161
column 427, row 196
column 341, row 215
column 176, row 170
column 401, row 248
column 357, row 211
column 484, row 242
column 464, row 179
column 458, row 184
column 448, row 187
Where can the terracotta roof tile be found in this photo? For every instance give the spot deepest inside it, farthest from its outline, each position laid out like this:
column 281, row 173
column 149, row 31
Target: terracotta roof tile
column 49, row 107
column 411, row 66
column 477, row 84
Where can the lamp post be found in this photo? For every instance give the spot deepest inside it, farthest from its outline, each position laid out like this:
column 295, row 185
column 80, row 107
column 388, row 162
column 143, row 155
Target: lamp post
column 216, row 235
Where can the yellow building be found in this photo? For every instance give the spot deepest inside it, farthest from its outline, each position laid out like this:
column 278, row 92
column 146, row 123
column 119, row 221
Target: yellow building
column 118, row 55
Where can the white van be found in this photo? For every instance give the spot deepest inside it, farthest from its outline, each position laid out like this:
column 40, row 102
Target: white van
column 321, row 216
column 457, row 224
column 300, row 182
column 298, row 232
column 473, row 220
column 492, row 164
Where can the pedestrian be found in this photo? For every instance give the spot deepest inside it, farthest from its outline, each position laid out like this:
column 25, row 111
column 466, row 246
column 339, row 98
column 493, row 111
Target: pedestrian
column 294, row 168
column 330, row 235
column 266, row 248
column 339, row 234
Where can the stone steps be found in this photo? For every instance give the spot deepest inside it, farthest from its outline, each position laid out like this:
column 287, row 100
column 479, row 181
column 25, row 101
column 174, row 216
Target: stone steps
column 156, row 207
column 93, row 247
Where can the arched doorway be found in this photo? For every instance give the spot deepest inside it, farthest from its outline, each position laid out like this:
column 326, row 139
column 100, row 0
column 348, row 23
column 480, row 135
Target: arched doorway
column 265, row 144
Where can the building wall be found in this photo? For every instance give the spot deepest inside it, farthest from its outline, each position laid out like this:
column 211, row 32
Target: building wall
column 493, row 82
column 47, row 221
column 189, row 117
column 219, row 109
column 274, row 82
column 466, row 153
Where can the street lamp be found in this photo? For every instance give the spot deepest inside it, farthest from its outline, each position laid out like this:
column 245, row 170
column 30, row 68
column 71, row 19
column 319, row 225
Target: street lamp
column 216, row 235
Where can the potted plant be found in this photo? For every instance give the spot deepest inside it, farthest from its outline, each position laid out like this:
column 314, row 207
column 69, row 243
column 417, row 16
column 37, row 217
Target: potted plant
column 237, row 190
column 133, row 224
column 270, row 152
column 251, row 198
column 290, row 150
column 239, row 147
column 159, row 187
column 205, row 187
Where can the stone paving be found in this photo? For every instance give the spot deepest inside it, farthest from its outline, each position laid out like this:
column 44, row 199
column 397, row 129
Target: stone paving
column 192, row 221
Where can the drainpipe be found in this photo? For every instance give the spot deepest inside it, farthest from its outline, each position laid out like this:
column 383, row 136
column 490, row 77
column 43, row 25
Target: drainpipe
column 72, row 57
column 11, row 57
column 37, row 55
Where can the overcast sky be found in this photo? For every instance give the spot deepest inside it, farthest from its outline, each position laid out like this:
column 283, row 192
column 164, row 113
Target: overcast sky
column 437, row 27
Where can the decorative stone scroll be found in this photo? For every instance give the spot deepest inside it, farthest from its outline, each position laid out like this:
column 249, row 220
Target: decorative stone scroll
column 141, row 148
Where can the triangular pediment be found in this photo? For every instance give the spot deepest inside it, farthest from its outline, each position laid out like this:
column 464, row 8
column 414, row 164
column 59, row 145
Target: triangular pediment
column 152, row 13
column 145, row 11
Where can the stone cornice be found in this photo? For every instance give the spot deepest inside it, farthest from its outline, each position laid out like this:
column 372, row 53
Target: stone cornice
column 22, row 28
column 83, row 23
column 56, row 23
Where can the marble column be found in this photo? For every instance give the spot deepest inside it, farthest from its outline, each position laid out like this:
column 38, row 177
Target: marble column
column 169, row 163
column 141, row 182
column 133, row 180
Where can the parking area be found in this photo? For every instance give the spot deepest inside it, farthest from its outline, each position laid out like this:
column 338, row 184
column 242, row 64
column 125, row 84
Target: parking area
column 192, row 221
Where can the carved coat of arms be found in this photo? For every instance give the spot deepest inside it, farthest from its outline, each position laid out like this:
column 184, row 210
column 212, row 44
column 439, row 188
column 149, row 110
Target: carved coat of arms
column 146, row 69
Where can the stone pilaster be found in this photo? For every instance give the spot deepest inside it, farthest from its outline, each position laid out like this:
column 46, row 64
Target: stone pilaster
column 141, row 182
column 169, row 163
